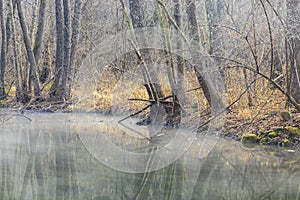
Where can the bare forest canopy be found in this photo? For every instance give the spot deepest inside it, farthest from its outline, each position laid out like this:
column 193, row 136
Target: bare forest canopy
column 254, row 45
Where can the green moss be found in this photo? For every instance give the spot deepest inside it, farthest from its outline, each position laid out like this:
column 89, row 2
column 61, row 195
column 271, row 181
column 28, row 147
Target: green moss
column 272, row 134
column 285, row 142
column 263, row 140
column 249, row 138
column 293, row 130
column 48, row 86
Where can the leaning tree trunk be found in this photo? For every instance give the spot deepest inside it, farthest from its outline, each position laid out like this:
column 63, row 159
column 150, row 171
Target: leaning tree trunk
column 33, row 75
column 293, row 20
column 206, row 83
column 194, row 34
column 3, row 52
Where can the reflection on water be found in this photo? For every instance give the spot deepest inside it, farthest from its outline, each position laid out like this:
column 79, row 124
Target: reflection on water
column 45, row 159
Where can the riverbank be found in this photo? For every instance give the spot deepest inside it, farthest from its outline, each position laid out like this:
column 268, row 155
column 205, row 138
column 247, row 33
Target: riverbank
column 276, row 128
column 280, row 128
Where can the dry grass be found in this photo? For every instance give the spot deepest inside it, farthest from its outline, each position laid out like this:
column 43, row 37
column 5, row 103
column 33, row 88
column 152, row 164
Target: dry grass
column 113, row 92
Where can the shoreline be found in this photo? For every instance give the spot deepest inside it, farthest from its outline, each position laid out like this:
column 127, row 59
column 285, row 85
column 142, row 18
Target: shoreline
column 274, row 129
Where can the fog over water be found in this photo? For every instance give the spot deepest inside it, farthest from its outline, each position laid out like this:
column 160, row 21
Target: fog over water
column 44, row 157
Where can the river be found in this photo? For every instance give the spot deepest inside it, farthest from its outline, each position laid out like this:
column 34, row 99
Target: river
column 63, row 156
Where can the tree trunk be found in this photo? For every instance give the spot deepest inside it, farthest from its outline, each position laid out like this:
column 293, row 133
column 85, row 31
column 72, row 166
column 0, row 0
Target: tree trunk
column 40, row 31
column 150, row 77
column 3, row 53
column 180, row 63
column 8, row 28
column 33, row 20
column 215, row 36
column 74, row 41
column 138, row 21
column 213, row 13
column 293, row 20
column 33, row 75
column 192, row 20
column 56, row 90
column 38, row 42
column 66, row 61
column 194, row 34
column 19, row 93
column 136, row 14
column 206, row 83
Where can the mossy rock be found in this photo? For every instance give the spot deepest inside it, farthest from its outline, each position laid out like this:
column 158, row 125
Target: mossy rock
column 272, row 134
column 263, row 140
column 249, row 138
column 293, row 130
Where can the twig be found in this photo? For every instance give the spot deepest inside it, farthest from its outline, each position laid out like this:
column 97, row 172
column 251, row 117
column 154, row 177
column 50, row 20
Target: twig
column 194, row 89
column 271, row 39
column 138, row 99
column 288, row 96
column 10, row 87
column 161, row 100
column 138, row 112
column 259, row 111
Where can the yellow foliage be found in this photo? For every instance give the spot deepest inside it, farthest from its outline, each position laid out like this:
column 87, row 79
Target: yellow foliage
column 12, row 91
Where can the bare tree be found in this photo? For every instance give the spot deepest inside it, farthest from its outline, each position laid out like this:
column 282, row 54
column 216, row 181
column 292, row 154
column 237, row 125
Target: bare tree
column 40, row 31
column 33, row 72
column 153, row 87
column 66, row 47
column 56, row 90
column 293, row 20
column 213, row 10
column 74, row 40
column 194, row 35
column 179, row 59
column 136, row 14
column 19, row 89
column 3, row 52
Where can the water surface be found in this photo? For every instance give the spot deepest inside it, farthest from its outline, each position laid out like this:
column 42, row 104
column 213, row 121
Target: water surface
column 43, row 157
